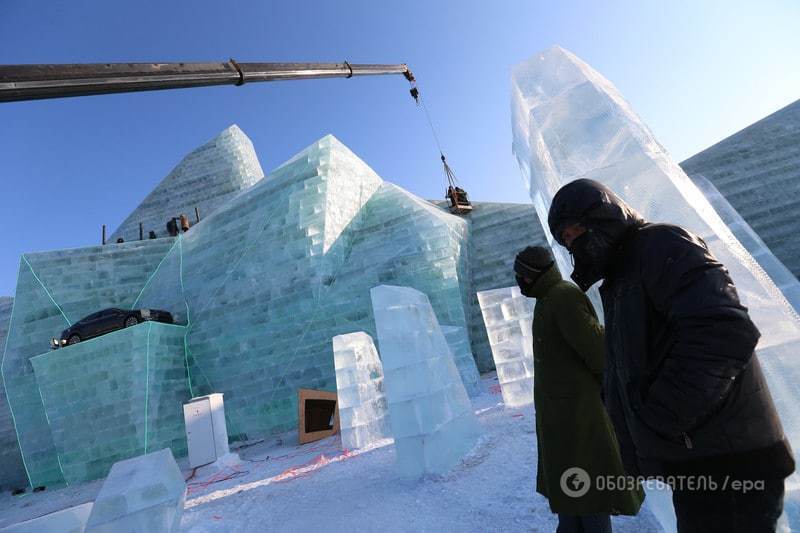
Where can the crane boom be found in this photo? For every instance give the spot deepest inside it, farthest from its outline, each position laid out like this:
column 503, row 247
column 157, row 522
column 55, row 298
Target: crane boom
column 34, row 82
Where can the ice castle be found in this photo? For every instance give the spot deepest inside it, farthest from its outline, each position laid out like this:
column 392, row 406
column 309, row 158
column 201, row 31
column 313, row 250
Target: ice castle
column 278, row 266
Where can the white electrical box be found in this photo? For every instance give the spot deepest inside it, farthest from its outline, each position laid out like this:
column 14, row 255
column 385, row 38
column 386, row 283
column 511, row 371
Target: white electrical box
column 206, row 433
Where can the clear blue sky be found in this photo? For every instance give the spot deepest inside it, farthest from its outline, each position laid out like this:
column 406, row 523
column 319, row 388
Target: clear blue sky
column 695, row 71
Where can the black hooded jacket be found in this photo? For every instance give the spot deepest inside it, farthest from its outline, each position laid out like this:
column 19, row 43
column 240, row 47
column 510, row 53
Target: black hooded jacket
column 682, row 383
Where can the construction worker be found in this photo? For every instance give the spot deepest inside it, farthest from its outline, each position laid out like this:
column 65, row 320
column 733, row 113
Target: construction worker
column 578, row 451
column 683, row 384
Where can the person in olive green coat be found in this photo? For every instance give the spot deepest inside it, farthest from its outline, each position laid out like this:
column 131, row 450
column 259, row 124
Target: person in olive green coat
column 573, row 430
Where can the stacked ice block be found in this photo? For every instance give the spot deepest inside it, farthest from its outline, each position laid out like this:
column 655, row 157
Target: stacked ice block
column 509, row 320
column 569, row 122
column 433, row 422
column 363, row 412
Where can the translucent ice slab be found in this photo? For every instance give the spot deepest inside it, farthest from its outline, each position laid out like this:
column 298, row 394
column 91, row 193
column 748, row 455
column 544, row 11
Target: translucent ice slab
column 433, row 422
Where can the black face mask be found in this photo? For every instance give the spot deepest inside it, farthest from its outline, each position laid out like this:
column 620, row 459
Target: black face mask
column 524, row 287
column 591, row 252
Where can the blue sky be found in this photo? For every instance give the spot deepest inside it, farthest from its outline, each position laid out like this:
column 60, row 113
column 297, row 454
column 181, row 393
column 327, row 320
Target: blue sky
column 696, row 72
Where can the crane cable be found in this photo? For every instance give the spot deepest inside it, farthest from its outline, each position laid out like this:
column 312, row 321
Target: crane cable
column 452, row 181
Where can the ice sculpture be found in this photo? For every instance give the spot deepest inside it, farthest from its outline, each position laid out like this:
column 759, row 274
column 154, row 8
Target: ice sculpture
column 508, row 316
column 458, row 341
column 363, row 412
column 145, row 493
column 433, row 422
column 569, row 122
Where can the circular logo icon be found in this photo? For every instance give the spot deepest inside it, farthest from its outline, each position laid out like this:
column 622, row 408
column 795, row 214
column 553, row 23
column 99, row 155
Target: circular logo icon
column 575, row 482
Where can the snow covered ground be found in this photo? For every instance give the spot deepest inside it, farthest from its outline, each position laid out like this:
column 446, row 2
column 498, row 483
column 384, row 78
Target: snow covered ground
column 283, row 486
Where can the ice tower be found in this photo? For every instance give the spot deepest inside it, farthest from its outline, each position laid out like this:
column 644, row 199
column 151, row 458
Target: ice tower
column 569, row 122
column 433, row 422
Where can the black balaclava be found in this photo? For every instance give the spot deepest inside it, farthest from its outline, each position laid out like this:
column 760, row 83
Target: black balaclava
column 531, row 263
column 607, row 219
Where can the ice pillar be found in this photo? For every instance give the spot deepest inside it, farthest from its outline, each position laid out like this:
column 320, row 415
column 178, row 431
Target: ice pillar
column 508, row 316
column 432, row 419
column 363, row 412
column 569, row 122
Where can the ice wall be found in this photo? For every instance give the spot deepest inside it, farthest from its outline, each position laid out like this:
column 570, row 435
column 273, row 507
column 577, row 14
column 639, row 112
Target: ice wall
column 433, row 422
column 509, row 322
column 54, row 290
column 113, row 397
column 12, row 471
column 363, row 411
column 206, row 178
column 758, row 171
column 569, row 122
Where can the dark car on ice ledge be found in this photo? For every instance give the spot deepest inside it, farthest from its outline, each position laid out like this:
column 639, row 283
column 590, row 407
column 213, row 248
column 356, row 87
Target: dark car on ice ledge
column 106, row 321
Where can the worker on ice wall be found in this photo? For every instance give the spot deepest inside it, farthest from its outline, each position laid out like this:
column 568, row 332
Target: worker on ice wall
column 575, row 437
column 683, row 385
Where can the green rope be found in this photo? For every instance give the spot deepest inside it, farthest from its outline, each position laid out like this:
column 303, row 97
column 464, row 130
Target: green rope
column 47, row 418
column 45, row 290
column 147, row 283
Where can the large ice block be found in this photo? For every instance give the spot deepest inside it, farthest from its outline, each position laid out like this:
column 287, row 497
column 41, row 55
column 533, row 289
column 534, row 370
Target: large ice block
column 433, row 422
column 508, row 316
column 363, row 411
column 569, row 122
column 145, row 493
column 458, row 341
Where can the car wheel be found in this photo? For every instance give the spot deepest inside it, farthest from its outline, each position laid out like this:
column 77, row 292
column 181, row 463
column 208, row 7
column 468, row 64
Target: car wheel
column 131, row 321
column 73, row 339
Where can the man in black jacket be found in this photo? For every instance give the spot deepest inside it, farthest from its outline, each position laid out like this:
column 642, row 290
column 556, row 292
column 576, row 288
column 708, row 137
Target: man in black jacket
column 682, row 383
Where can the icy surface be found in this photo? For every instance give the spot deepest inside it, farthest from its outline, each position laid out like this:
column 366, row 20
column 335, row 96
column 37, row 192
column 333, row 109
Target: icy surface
column 458, row 341
column 363, row 411
column 492, row 490
column 145, row 493
column 509, row 321
column 569, row 122
column 432, row 419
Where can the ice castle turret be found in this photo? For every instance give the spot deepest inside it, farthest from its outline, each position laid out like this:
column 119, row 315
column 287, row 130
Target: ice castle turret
column 569, row 122
column 206, row 179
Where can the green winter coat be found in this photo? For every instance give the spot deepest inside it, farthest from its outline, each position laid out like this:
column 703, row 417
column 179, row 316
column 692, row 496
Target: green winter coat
column 572, row 426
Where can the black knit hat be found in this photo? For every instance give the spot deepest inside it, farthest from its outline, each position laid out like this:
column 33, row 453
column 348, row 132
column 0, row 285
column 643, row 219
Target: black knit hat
column 533, row 261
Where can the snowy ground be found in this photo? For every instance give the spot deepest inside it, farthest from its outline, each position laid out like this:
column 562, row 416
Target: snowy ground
column 286, row 487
